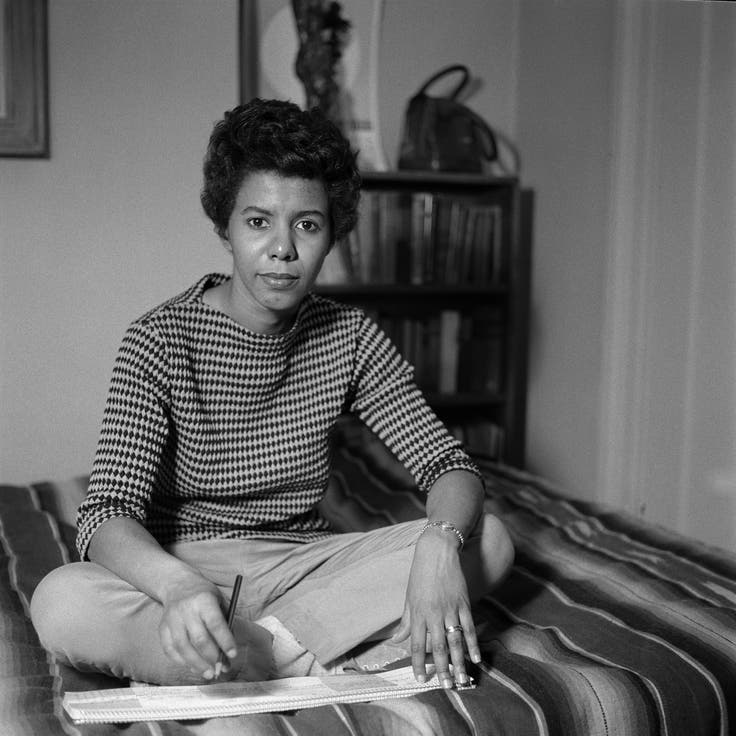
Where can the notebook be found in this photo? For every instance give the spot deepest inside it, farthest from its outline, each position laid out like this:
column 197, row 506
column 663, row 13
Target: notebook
column 152, row 703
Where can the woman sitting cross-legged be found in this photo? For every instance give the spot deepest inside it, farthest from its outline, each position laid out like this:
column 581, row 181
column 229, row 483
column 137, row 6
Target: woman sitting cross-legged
column 214, row 453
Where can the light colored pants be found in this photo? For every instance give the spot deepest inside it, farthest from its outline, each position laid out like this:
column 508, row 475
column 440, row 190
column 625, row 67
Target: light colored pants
column 332, row 595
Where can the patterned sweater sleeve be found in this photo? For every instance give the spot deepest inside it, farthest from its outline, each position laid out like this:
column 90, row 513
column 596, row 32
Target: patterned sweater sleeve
column 388, row 400
column 134, row 432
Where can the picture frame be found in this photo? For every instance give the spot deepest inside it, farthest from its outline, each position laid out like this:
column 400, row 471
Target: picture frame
column 24, row 127
column 267, row 50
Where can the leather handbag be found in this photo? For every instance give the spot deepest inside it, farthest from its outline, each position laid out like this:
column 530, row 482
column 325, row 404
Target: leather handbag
column 442, row 134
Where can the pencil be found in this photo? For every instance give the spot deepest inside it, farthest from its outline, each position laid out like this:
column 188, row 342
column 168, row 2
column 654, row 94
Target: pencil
column 230, row 617
column 234, row 601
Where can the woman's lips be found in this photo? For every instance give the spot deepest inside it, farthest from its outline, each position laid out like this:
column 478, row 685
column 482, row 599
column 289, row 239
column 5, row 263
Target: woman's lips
column 279, row 280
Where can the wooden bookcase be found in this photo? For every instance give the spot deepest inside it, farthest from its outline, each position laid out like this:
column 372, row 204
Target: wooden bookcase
column 442, row 262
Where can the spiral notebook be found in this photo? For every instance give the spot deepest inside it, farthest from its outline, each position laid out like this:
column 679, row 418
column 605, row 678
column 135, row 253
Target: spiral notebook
column 158, row 703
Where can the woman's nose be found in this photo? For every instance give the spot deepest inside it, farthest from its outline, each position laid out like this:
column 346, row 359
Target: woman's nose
column 282, row 246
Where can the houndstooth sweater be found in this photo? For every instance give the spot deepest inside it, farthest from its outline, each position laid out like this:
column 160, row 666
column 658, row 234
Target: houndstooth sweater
column 213, row 431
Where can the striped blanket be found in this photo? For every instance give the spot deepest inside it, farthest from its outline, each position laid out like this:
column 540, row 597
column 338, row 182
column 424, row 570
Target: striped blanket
column 606, row 625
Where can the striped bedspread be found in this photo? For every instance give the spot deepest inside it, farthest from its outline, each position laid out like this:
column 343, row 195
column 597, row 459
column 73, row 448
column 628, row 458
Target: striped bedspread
column 606, row 625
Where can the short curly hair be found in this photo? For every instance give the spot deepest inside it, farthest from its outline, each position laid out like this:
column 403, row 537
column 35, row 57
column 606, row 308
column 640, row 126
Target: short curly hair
column 278, row 136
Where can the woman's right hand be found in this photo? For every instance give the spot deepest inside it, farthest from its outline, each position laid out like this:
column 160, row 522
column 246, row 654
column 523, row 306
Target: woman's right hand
column 193, row 628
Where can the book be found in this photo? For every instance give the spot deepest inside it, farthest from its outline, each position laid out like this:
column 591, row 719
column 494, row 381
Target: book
column 482, row 351
column 458, row 220
column 365, row 238
column 393, row 234
column 449, row 343
column 193, row 702
column 416, row 239
column 429, row 219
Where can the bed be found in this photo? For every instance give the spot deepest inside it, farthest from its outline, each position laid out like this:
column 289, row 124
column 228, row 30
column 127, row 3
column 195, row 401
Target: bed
column 606, row 625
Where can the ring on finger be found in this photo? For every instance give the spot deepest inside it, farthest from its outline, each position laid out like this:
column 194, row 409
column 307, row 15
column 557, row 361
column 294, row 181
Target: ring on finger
column 454, row 628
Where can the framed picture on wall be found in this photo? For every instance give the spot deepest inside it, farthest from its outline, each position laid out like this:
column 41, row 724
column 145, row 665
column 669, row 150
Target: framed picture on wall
column 23, row 78
column 268, row 48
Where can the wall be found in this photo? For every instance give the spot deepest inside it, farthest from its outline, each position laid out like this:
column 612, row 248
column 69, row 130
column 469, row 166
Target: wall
column 111, row 223
column 564, row 134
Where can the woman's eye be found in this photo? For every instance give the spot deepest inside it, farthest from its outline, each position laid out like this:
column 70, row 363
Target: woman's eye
column 308, row 226
column 257, row 222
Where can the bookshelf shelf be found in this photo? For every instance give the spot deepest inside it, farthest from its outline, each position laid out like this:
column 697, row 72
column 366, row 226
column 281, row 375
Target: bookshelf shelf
column 424, row 179
column 367, row 291
column 442, row 263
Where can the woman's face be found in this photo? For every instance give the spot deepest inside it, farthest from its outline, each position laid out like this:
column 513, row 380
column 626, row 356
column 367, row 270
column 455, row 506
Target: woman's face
column 279, row 235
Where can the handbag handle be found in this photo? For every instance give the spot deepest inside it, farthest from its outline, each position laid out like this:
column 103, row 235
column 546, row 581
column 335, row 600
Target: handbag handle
column 489, row 144
column 443, row 72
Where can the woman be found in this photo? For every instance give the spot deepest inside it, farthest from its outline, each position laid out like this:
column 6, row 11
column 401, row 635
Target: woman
column 214, row 452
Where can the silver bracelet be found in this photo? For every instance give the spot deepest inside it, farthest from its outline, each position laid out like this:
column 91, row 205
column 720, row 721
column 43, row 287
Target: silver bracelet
column 446, row 526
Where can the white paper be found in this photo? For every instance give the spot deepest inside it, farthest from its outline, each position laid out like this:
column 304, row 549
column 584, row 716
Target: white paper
column 149, row 703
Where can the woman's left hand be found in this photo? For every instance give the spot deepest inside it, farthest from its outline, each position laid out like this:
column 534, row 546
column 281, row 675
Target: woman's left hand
column 437, row 605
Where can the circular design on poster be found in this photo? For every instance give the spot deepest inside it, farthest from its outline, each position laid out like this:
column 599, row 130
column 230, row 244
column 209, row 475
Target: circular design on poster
column 277, row 54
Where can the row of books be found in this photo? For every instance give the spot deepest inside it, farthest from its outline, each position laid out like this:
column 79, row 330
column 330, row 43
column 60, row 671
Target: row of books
column 480, row 437
column 451, row 351
column 420, row 238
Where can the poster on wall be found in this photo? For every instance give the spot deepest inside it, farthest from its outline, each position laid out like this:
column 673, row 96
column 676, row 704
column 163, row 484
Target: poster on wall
column 269, row 47
column 23, row 78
